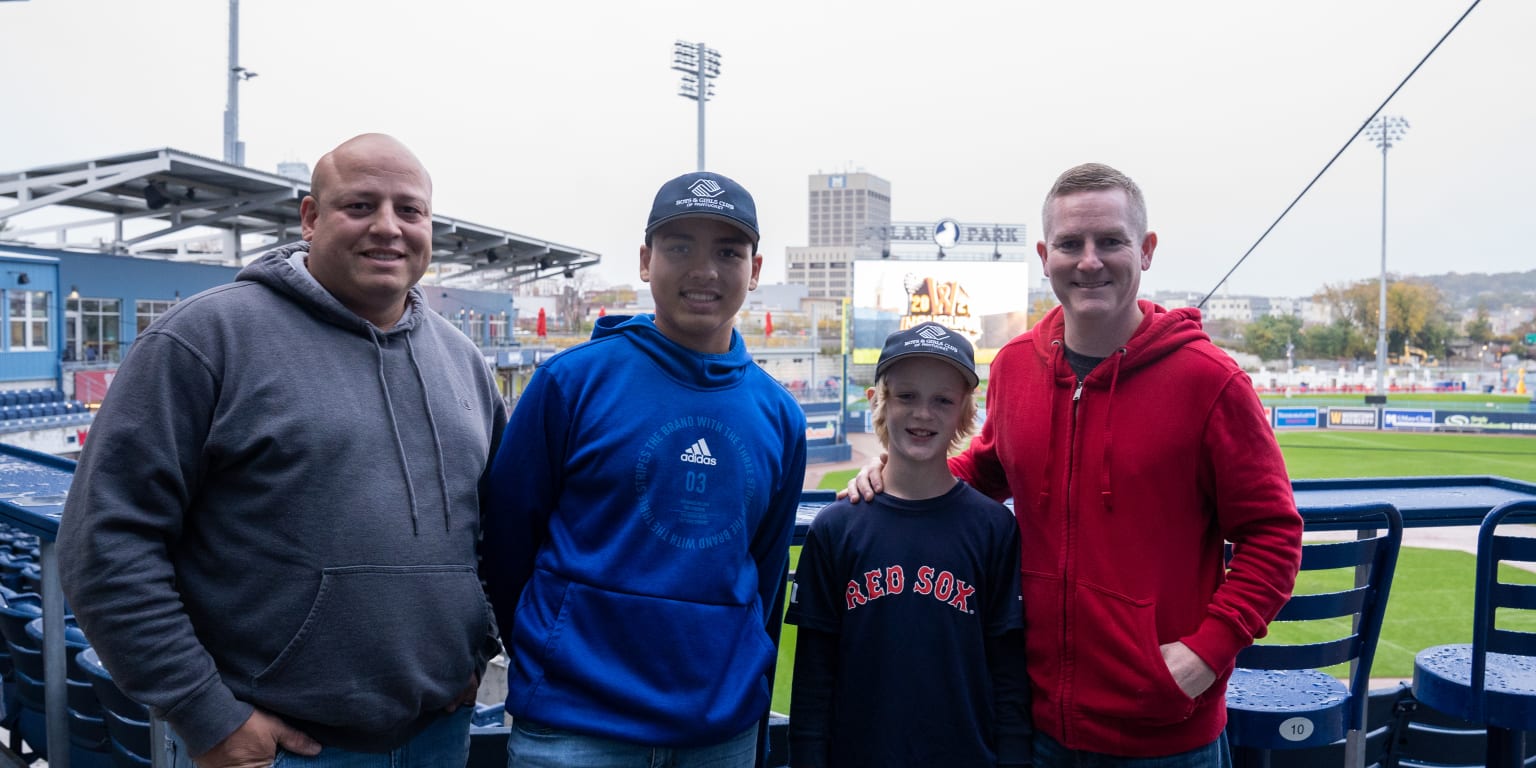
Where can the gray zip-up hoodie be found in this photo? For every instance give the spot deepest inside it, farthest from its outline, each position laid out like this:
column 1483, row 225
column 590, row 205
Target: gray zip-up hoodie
column 277, row 506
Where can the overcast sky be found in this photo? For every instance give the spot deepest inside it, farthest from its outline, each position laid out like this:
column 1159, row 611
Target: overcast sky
column 558, row 120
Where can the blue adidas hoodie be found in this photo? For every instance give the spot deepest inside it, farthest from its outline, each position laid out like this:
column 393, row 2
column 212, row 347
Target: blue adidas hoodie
column 638, row 525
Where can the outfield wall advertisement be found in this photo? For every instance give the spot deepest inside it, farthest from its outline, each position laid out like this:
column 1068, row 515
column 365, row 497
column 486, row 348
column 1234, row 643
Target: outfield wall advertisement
column 1416, row 419
column 1296, row 416
column 1351, row 418
column 1486, row 421
column 1405, row 419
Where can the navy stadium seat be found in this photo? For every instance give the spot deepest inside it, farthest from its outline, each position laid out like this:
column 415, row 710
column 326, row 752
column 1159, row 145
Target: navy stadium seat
column 1491, row 681
column 88, row 744
column 1278, row 697
column 31, row 578
column 489, row 715
column 27, row 667
column 488, row 737
column 127, row 721
column 16, row 613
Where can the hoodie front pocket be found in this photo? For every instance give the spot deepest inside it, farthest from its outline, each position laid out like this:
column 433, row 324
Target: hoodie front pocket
column 1121, row 672
column 685, row 666
column 380, row 646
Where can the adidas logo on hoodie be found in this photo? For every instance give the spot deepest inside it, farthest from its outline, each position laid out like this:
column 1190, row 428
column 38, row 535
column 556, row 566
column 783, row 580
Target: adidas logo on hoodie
column 698, row 453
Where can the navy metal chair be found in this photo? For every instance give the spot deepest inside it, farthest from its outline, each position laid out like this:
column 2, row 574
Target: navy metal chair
column 127, row 721
column 1492, row 681
column 28, row 672
column 1278, row 698
column 88, row 744
column 488, row 735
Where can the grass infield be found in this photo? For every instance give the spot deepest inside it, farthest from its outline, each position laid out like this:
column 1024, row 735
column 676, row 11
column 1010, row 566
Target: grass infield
column 1431, row 601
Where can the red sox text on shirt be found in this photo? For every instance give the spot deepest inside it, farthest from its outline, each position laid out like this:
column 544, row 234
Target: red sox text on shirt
column 940, row 585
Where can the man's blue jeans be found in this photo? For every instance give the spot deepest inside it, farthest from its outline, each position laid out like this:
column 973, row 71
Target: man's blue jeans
column 532, row 745
column 1051, row 754
column 444, row 744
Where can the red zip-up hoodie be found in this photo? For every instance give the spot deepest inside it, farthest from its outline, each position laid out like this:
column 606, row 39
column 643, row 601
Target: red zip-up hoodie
column 1125, row 488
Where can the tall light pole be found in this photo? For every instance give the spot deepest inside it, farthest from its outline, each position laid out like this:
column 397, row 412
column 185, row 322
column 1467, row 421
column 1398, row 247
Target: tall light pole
column 1385, row 130
column 234, row 148
column 700, row 65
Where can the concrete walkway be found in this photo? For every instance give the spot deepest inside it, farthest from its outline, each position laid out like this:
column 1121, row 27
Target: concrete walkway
column 864, row 445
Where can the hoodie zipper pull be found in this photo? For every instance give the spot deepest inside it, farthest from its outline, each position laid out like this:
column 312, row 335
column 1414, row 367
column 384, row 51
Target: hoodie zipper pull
column 1077, row 394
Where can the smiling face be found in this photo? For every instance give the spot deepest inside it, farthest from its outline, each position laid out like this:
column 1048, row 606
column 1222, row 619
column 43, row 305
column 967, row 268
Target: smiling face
column 700, row 269
column 369, row 226
column 1094, row 254
column 922, row 407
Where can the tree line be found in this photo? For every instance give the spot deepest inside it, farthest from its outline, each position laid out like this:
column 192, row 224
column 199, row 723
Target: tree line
column 1418, row 316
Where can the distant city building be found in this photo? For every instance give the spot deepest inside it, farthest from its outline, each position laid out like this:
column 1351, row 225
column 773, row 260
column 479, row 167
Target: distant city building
column 843, row 209
column 1246, row 309
column 777, row 296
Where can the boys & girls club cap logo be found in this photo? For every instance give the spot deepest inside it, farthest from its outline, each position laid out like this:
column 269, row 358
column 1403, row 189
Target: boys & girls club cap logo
column 932, row 332
column 706, row 188
column 930, row 340
column 704, row 194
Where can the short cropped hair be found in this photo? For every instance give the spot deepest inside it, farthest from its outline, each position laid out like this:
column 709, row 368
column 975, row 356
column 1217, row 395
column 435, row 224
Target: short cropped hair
column 956, row 441
column 1093, row 177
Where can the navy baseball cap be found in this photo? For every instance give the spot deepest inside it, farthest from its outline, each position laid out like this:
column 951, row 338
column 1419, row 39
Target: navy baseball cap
column 704, row 194
column 929, row 340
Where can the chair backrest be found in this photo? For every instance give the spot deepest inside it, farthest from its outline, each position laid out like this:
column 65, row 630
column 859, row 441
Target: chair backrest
column 1374, row 559
column 1492, row 595
column 16, row 613
column 111, row 697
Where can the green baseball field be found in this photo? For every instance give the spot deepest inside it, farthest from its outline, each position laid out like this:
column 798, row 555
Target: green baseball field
column 1431, row 600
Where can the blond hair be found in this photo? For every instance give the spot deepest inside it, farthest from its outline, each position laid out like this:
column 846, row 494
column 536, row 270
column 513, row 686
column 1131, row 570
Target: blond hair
column 956, row 441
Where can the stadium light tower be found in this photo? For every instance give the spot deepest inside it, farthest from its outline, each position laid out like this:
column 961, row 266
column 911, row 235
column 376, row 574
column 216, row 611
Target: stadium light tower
column 700, row 65
column 234, row 148
column 1385, row 130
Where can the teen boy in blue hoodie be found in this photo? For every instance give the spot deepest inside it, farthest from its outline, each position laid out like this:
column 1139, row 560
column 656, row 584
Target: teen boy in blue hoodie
column 641, row 507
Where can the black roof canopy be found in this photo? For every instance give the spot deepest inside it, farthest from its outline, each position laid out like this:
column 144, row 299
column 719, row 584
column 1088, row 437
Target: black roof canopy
column 144, row 198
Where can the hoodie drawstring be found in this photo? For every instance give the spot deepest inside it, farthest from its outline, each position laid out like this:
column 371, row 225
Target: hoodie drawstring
column 437, row 439
column 389, row 407
column 1105, row 492
column 1043, row 499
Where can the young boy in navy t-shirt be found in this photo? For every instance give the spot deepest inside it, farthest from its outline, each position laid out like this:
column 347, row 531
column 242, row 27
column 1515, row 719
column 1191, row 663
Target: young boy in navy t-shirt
column 910, row 649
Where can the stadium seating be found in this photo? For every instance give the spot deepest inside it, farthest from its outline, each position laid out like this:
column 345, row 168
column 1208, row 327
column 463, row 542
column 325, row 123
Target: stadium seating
column 127, row 720
column 15, row 612
column 1491, row 681
column 39, row 408
column 27, row 671
column 1278, row 698
column 88, row 744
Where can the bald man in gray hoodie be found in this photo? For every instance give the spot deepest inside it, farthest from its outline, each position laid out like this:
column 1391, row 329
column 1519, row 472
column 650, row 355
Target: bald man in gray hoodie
column 270, row 539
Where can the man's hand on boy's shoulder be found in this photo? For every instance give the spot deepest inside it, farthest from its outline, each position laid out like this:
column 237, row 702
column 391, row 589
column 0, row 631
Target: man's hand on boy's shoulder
column 867, row 482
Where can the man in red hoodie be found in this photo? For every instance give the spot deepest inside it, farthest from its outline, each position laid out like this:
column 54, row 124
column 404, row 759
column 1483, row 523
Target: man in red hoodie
column 1133, row 448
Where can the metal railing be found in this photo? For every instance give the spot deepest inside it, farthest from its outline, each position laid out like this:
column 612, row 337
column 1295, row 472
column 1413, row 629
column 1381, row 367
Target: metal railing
column 33, row 487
